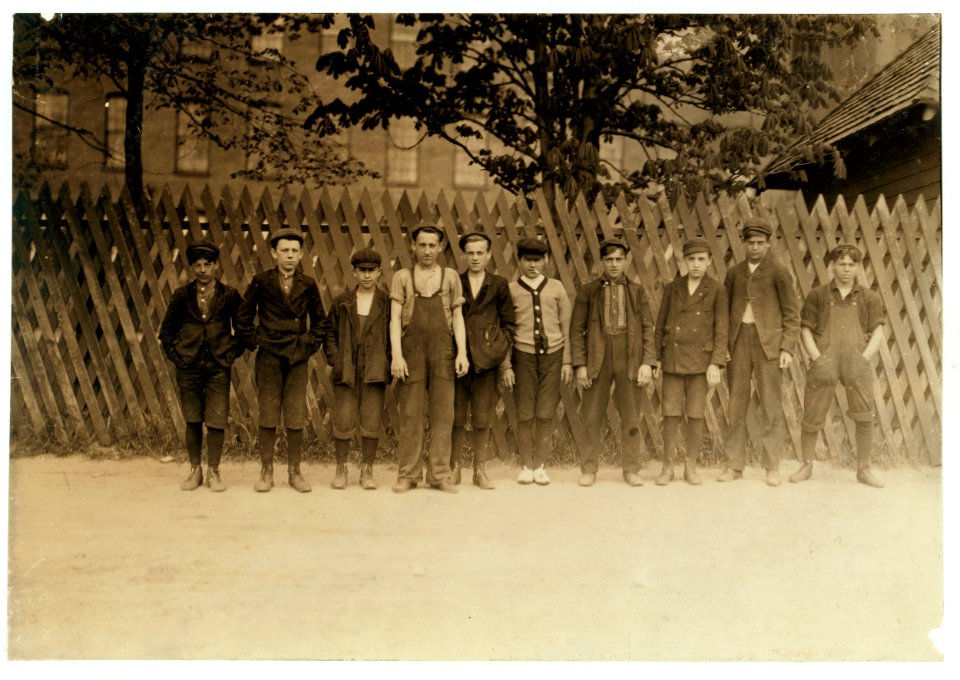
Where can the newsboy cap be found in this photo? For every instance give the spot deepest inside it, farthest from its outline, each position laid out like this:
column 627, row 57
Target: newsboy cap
column 695, row 245
column 613, row 243
column 365, row 256
column 428, row 228
column 292, row 234
column 204, row 249
column 473, row 236
column 756, row 225
column 531, row 246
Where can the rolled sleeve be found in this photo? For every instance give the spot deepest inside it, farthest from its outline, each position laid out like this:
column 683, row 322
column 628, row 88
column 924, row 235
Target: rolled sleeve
column 875, row 314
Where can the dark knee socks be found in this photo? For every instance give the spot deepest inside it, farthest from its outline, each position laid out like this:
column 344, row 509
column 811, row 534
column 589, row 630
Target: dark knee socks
column 864, row 443
column 671, row 430
column 693, row 433
column 368, row 449
column 268, row 441
column 341, row 449
column 194, row 440
column 808, row 446
column 214, row 446
column 294, row 442
column 481, row 443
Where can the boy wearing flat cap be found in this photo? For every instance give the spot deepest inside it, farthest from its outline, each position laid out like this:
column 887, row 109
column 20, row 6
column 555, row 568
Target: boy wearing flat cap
column 489, row 320
column 429, row 350
column 612, row 343
column 197, row 335
column 691, row 342
column 357, row 348
column 841, row 328
column 290, row 327
column 540, row 360
column 764, row 328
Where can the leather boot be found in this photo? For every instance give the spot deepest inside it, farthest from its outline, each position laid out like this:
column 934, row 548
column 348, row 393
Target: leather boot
column 296, row 480
column 865, row 476
column 366, row 477
column 340, row 478
column 480, row 478
column 213, row 479
column 666, row 473
column 194, row 479
column 265, row 483
column 690, row 472
column 803, row 473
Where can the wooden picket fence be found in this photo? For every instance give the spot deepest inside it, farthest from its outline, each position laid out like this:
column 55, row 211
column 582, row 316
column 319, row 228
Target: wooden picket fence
column 91, row 282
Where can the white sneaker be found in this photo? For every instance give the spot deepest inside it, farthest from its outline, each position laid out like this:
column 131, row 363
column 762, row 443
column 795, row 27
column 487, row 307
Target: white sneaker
column 540, row 476
column 525, row 476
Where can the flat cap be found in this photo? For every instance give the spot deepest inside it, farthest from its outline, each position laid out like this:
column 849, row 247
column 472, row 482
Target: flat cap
column 844, row 250
column 613, row 243
column 756, row 225
column 428, row 228
column 204, row 249
column 695, row 245
column 365, row 256
column 473, row 236
column 531, row 246
column 293, row 234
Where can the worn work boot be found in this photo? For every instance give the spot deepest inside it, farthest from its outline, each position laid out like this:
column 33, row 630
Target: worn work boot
column 214, row 481
column 865, row 476
column 803, row 473
column 194, row 479
column 265, row 483
column 690, row 473
column 445, row 486
column 296, row 480
column 729, row 475
column 366, row 477
column 404, row 485
column 587, row 478
column 340, row 478
column 666, row 473
column 632, row 478
column 480, row 478
column 773, row 477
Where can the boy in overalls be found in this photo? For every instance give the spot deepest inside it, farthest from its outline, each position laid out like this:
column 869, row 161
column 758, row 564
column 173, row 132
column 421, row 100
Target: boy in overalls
column 428, row 343
column 841, row 328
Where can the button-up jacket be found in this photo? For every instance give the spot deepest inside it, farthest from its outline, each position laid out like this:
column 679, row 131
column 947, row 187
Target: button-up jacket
column 492, row 306
column 776, row 307
column 586, row 328
column 345, row 339
column 184, row 330
column 692, row 329
column 292, row 326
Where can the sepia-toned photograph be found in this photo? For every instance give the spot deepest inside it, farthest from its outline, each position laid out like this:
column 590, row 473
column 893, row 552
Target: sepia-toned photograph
column 476, row 337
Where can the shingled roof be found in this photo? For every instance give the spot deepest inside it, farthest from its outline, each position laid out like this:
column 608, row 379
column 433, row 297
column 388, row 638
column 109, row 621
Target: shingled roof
column 911, row 79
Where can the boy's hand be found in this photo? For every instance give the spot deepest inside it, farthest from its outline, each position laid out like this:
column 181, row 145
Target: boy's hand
column 461, row 364
column 507, row 378
column 398, row 368
column 566, row 374
column 713, row 375
column 644, row 375
column 583, row 380
column 656, row 370
column 785, row 358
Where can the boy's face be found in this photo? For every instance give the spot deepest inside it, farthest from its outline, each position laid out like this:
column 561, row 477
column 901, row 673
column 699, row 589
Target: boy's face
column 845, row 270
column 205, row 271
column 367, row 276
column 697, row 264
column 532, row 266
column 478, row 254
column 426, row 248
column 287, row 252
column 614, row 262
column 757, row 246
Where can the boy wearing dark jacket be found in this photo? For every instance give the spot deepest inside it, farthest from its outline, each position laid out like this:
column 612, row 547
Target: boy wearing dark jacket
column 357, row 348
column 611, row 341
column 197, row 336
column 488, row 317
column 290, row 327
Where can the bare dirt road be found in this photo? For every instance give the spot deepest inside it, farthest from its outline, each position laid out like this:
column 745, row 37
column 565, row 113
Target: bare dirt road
column 109, row 559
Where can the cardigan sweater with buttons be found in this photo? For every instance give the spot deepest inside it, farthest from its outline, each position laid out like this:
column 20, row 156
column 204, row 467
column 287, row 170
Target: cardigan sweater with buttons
column 556, row 310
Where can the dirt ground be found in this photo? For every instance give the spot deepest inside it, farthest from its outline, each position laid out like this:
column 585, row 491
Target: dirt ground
column 109, row 559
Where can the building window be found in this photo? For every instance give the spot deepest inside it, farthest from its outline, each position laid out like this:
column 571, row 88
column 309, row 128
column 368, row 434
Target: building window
column 612, row 152
column 116, row 126
column 266, row 47
column 467, row 175
column 193, row 151
column 49, row 133
column 402, row 156
column 403, row 43
column 195, row 50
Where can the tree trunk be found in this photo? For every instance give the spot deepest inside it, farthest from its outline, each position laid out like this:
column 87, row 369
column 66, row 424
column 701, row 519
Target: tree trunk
column 133, row 130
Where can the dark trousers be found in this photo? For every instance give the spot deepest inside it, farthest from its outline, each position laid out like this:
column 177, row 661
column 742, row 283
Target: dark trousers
column 537, row 394
column 476, row 396
column 360, row 403
column 281, row 388
column 205, row 393
column 749, row 362
column 626, row 396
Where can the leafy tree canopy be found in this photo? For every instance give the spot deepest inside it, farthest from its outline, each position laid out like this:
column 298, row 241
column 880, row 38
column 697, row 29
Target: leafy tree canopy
column 709, row 98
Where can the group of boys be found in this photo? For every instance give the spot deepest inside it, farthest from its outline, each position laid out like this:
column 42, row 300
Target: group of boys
column 449, row 339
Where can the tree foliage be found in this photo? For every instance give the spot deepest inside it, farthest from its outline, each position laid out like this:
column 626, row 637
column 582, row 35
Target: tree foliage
column 232, row 90
column 709, row 98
